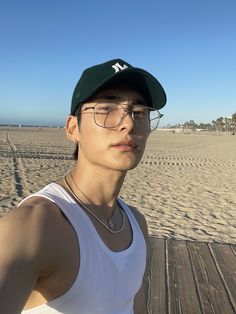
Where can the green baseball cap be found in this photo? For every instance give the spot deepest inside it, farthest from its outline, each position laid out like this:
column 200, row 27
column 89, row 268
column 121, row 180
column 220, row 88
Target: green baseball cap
column 117, row 70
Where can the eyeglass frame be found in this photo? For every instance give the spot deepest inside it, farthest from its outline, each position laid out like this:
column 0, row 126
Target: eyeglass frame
column 126, row 111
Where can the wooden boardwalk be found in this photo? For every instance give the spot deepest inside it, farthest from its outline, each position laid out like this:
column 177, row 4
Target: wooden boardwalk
column 191, row 277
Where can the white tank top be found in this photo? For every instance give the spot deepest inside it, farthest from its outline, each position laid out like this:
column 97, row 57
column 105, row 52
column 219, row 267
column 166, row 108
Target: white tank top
column 107, row 281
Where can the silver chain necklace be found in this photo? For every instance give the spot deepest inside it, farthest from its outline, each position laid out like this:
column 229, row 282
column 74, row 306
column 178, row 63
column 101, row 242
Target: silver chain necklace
column 110, row 223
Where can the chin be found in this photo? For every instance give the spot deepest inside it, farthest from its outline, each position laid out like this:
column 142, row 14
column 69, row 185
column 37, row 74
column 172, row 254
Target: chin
column 122, row 162
column 125, row 166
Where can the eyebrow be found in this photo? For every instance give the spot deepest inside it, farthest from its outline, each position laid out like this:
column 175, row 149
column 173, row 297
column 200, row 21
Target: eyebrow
column 120, row 99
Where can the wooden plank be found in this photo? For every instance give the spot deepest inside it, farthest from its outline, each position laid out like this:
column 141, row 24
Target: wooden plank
column 211, row 290
column 225, row 261
column 182, row 293
column 157, row 277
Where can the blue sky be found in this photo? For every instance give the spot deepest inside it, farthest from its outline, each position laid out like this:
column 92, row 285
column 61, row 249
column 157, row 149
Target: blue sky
column 190, row 46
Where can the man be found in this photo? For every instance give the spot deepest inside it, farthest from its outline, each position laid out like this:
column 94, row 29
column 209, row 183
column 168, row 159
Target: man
column 74, row 247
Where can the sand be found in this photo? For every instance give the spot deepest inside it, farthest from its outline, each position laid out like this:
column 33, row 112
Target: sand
column 185, row 184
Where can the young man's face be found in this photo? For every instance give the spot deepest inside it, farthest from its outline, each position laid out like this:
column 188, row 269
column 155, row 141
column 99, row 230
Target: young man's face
column 118, row 148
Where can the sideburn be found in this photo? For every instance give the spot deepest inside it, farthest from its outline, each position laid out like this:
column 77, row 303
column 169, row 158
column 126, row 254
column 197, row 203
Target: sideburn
column 76, row 151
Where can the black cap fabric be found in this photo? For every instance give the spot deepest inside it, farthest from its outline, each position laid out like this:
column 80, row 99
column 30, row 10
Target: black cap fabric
column 117, row 70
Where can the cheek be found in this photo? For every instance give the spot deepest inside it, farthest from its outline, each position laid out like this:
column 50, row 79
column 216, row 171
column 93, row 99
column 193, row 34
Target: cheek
column 91, row 145
column 93, row 141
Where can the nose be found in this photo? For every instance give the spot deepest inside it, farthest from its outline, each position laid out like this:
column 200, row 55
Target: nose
column 128, row 121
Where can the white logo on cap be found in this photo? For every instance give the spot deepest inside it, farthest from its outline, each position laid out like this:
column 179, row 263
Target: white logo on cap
column 117, row 67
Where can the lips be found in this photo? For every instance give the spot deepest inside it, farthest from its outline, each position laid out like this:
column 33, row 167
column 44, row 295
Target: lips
column 125, row 145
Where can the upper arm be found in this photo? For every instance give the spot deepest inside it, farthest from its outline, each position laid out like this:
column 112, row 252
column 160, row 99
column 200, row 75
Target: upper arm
column 24, row 255
column 140, row 301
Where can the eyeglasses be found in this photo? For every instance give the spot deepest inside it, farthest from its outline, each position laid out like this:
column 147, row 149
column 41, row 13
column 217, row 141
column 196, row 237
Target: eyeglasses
column 110, row 115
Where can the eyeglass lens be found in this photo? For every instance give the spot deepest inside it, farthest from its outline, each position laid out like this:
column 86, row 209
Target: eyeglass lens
column 110, row 115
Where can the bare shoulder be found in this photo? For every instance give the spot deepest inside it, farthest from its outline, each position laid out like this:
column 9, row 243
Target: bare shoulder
column 141, row 220
column 30, row 246
column 30, row 229
column 35, row 214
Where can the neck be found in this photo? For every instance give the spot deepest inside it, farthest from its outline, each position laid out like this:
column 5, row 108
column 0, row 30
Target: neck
column 98, row 186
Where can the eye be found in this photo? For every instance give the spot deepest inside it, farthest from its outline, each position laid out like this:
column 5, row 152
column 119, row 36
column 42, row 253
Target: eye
column 140, row 112
column 106, row 108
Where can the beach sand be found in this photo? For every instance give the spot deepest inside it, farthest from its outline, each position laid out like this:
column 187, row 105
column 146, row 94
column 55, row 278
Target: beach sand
column 185, row 184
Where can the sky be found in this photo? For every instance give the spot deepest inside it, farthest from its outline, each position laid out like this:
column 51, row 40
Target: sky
column 188, row 45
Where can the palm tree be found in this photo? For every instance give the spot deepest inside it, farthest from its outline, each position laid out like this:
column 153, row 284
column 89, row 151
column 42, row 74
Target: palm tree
column 213, row 122
column 220, row 124
column 234, row 117
column 228, row 124
column 234, row 122
column 190, row 125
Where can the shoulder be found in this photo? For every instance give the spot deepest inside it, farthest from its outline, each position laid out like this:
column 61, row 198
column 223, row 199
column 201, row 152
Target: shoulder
column 30, row 242
column 35, row 214
column 30, row 231
column 141, row 220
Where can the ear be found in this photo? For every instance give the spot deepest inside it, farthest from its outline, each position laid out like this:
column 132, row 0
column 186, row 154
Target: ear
column 72, row 129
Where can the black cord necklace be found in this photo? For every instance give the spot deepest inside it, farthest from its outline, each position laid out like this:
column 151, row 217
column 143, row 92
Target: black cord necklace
column 110, row 227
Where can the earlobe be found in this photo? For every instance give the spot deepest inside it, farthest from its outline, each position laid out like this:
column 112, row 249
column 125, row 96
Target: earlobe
column 72, row 130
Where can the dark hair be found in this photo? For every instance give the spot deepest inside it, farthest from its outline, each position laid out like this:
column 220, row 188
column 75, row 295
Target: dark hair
column 76, row 151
